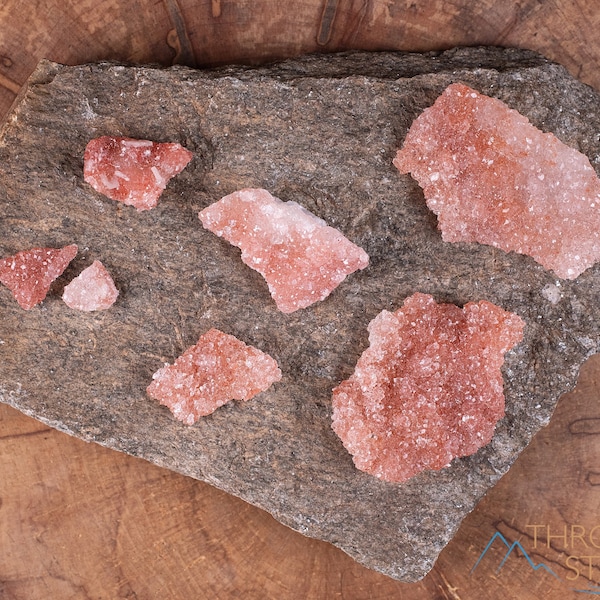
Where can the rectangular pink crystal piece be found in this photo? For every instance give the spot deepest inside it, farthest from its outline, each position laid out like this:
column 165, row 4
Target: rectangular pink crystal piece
column 301, row 257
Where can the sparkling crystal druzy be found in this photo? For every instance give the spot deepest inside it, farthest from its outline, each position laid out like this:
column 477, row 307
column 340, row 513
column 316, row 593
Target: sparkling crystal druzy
column 30, row 273
column 131, row 171
column 219, row 368
column 428, row 389
column 93, row 289
column 491, row 177
column 301, row 257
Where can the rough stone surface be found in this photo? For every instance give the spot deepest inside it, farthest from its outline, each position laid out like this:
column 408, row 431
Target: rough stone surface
column 428, row 388
column 93, row 289
column 301, row 257
column 490, row 176
column 28, row 274
column 216, row 370
column 132, row 171
column 322, row 131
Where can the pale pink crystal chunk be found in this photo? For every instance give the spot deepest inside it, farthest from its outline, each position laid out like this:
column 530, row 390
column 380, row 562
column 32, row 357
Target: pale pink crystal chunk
column 492, row 177
column 93, row 289
column 301, row 257
column 428, row 389
column 30, row 273
column 219, row 368
column 131, row 171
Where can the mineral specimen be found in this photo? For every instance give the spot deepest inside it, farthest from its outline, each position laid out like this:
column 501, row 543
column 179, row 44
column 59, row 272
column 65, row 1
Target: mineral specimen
column 219, row 368
column 134, row 172
column 429, row 387
column 301, row 257
column 329, row 119
column 490, row 176
column 93, row 289
column 30, row 273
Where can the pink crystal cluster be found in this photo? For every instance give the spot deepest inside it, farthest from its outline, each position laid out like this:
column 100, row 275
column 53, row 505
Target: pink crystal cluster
column 132, row 171
column 428, row 389
column 217, row 369
column 135, row 172
column 30, row 273
column 93, row 289
column 301, row 257
column 491, row 177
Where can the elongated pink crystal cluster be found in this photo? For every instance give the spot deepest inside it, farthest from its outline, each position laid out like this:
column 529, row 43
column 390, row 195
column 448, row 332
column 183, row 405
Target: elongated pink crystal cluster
column 135, row 172
column 301, row 257
column 428, row 389
column 30, row 273
column 491, row 177
column 219, row 368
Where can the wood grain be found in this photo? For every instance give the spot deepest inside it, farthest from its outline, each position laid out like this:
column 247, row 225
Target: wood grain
column 78, row 521
column 209, row 32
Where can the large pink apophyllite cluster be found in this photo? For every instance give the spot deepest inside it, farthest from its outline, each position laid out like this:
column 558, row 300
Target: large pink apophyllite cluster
column 93, row 289
column 135, row 172
column 301, row 257
column 491, row 177
column 429, row 387
column 219, row 368
column 30, row 273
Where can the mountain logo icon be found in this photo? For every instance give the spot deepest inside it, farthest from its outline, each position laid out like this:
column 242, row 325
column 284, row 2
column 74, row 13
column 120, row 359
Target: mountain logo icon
column 510, row 549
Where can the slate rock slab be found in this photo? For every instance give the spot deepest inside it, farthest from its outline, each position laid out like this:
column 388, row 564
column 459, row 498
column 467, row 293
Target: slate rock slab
column 322, row 131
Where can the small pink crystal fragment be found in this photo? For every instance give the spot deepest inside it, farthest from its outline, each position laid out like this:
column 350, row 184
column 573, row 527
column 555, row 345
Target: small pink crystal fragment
column 429, row 387
column 219, row 368
column 301, row 257
column 132, row 171
column 93, row 289
column 492, row 177
column 30, row 273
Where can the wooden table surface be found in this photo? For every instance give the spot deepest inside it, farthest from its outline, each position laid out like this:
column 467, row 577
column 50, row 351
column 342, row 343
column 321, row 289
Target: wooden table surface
column 79, row 522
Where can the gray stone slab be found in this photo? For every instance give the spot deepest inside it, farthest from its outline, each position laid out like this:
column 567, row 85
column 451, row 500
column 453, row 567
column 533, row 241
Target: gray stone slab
column 321, row 131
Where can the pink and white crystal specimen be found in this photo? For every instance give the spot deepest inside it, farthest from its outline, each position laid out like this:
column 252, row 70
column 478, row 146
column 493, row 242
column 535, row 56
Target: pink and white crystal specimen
column 30, row 273
column 219, row 368
column 93, row 289
column 428, row 389
column 301, row 257
column 131, row 171
column 491, row 177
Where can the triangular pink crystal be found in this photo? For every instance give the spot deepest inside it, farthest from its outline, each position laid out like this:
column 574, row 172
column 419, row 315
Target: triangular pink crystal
column 30, row 273
column 93, row 289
